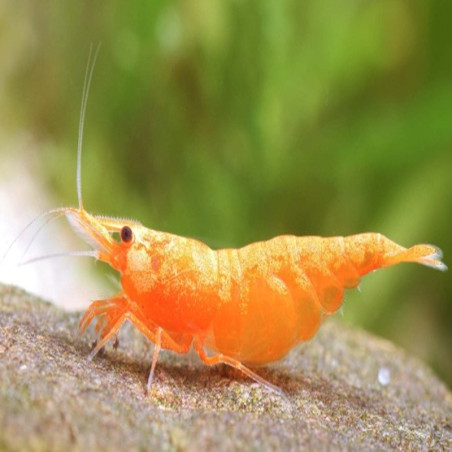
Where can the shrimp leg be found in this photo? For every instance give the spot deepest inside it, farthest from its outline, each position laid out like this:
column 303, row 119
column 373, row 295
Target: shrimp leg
column 222, row 359
column 156, row 338
column 117, row 309
column 98, row 308
column 111, row 315
column 157, row 347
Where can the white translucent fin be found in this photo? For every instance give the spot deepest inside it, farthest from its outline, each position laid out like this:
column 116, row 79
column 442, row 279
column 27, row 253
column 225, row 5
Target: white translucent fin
column 434, row 260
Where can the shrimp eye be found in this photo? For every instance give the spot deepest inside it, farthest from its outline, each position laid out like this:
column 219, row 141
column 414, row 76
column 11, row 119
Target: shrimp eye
column 126, row 234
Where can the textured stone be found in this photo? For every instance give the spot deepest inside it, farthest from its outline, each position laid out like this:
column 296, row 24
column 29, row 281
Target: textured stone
column 345, row 390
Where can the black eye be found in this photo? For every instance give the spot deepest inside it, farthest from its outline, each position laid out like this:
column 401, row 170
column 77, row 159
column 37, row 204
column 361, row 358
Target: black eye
column 126, row 234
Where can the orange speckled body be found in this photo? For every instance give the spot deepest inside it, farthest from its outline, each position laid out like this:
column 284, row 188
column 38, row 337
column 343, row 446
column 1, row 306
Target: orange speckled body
column 249, row 305
column 255, row 303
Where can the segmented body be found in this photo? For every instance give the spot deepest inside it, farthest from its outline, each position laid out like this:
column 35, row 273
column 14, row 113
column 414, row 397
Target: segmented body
column 255, row 303
column 249, row 305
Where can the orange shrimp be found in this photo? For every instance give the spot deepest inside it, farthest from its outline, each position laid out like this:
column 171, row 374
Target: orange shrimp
column 248, row 306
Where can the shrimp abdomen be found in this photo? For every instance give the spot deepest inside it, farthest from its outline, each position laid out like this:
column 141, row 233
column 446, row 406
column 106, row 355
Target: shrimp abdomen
column 277, row 293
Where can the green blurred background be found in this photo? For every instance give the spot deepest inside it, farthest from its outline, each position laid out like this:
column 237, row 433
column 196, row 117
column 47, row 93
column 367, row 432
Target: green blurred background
column 237, row 120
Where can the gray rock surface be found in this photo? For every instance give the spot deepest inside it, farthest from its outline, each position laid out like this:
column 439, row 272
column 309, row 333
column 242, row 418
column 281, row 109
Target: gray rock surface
column 53, row 398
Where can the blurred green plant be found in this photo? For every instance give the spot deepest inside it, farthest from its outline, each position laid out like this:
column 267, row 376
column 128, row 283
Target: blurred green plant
column 237, row 121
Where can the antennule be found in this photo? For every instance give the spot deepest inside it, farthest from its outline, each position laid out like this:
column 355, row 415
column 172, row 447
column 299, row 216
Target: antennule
column 51, row 214
column 86, row 84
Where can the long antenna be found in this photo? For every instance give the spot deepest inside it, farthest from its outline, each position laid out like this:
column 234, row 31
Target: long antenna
column 86, row 84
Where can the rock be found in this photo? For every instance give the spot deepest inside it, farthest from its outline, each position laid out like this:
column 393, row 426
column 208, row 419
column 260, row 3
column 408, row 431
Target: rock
column 345, row 390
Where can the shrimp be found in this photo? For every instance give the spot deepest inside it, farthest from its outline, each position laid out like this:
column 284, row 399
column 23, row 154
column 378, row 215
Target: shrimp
column 247, row 306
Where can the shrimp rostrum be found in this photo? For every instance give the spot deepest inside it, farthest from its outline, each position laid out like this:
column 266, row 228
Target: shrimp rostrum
column 247, row 306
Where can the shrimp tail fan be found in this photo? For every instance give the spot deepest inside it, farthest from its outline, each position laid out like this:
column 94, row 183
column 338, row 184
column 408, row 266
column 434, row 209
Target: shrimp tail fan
column 428, row 255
